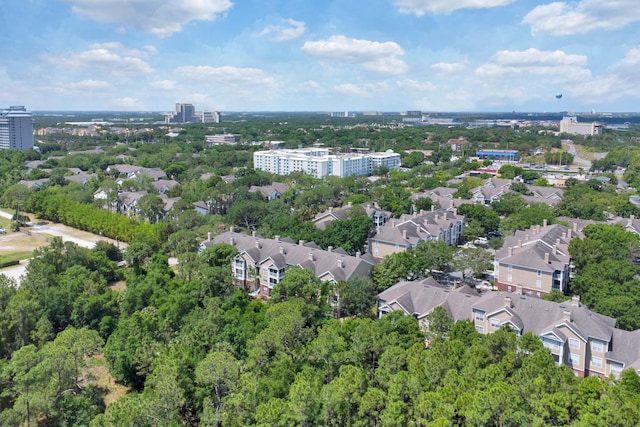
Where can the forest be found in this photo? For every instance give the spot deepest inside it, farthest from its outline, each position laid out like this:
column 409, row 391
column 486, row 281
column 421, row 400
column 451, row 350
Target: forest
column 116, row 337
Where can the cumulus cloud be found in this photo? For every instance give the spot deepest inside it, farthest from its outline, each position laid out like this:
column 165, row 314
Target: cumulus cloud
column 164, row 84
column 366, row 90
column 228, row 75
column 449, row 67
column 380, row 57
column 620, row 80
column 562, row 18
column 415, row 85
column 158, row 17
column 127, row 103
column 289, row 29
column 421, row 7
column 110, row 58
column 506, row 63
column 91, row 85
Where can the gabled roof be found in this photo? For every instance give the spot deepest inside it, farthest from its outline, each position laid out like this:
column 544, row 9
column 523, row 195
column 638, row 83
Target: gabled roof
column 283, row 253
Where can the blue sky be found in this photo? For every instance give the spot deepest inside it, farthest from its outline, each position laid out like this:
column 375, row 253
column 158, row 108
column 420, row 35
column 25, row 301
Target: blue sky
column 321, row 55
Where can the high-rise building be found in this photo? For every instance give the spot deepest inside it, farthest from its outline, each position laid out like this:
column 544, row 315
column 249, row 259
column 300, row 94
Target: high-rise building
column 16, row 128
column 210, row 116
column 185, row 113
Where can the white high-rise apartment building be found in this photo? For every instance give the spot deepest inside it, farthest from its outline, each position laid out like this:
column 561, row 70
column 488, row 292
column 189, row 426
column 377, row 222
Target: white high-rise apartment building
column 16, row 128
column 319, row 163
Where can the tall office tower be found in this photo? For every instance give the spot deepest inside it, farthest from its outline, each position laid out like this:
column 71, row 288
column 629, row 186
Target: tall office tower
column 16, row 128
column 185, row 113
column 210, row 116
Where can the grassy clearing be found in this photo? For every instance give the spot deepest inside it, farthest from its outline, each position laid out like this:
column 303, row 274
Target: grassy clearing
column 15, row 256
column 97, row 373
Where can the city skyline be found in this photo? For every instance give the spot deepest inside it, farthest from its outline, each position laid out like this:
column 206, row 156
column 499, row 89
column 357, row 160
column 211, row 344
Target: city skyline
column 288, row 55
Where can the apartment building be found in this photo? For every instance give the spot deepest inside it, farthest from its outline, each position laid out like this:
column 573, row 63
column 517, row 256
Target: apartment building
column 404, row 233
column 318, row 162
column 261, row 263
column 587, row 342
column 535, row 261
column 571, row 125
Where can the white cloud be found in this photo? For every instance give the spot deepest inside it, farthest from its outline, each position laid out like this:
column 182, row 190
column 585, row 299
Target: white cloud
column 228, row 75
column 415, row 85
column 562, row 18
column 366, row 90
column 127, row 103
column 449, row 67
column 532, row 61
column 288, row 30
column 111, row 58
column 91, row 85
column 620, row 80
column 421, row 7
column 380, row 57
column 158, row 17
column 164, row 85
column 311, row 84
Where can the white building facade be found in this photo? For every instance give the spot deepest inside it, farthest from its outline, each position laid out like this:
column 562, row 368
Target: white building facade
column 319, row 163
column 16, row 128
column 571, row 125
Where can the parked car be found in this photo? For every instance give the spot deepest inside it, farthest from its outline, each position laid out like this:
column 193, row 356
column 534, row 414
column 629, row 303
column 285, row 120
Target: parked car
column 3, row 231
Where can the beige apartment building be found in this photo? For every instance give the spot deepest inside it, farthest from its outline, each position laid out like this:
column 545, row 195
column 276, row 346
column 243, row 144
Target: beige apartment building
column 587, row 342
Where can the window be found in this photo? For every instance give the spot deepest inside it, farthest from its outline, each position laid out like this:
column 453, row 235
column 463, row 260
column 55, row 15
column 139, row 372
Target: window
column 495, row 323
column 596, row 362
column 574, row 359
column 509, row 277
column 538, row 283
column 597, row 346
column 510, row 267
column 539, row 273
column 479, row 315
column 480, row 329
column 574, row 343
column 551, row 344
column 616, row 368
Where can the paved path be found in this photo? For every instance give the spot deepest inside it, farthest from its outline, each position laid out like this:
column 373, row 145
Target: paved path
column 68, row 234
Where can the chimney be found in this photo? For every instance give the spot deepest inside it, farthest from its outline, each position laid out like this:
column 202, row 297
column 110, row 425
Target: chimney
column 208, row 236
column 544, row 222
column 393, row 222
column 445, row 215
column 436, row 217
column 329, row 248
column 526, row 237
column 564, row 234
column 281, row 249
column 368, row 205
column 232, row 241
column 575, row 227
column 258, row 245
column 330, row 209
column 404, row 234
column 231, row 229
column 340, row 263
column 455, row 211
column 554, row 249
column 509, row 251
column 566, row 315
column 519, row 289
column 575, row 300
column 358, row 254
column 557, row 242
column 519, row 243
column 433, row 208
column 418, row 229
column 300, row 242
column 311, row 256
column 507, row 302
column 546, row 257
column 569, row 234
column 421, row 211
column 276, row 238
column 253, row 233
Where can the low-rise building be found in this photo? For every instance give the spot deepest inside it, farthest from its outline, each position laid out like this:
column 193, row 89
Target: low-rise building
column 261, row 263
column 404, row 233
column 535, row 261
column 378, row 215
column 570, row 125
column 587, row 342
